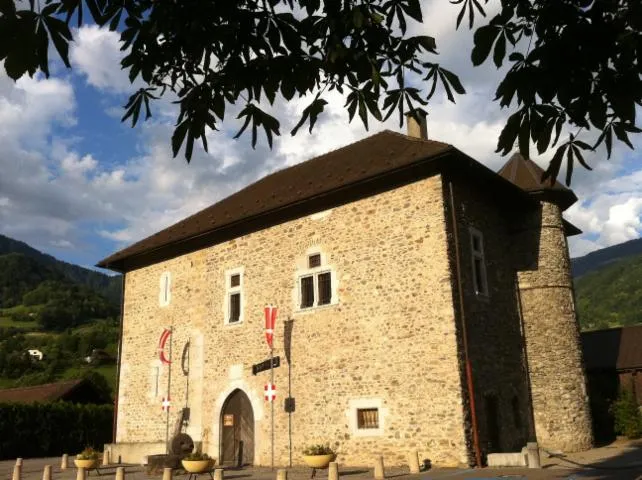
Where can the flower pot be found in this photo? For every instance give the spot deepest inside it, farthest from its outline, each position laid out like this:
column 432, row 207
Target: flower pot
column 86, row 464
column 197, row 466
column 318, row 461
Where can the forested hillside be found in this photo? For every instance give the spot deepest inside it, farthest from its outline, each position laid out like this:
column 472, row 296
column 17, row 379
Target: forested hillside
column 66, row 313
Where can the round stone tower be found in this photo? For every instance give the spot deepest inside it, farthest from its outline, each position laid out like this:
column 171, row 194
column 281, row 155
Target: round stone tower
column 561, row 411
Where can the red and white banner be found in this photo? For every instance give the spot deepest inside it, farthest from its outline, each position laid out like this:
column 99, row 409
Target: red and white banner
column 166, row 404
column 161, row 346
column 270, row 392
column 270, row 322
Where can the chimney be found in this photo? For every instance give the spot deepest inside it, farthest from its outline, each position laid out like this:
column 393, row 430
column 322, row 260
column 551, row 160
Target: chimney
column 416, row 123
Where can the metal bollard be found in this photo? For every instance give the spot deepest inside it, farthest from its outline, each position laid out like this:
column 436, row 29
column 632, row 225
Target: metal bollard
column 46, row 473
column 413, row 461
column 379, row 472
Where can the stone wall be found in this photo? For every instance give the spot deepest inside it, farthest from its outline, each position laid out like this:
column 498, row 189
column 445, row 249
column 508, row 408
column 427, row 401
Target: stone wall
column 492, row 320
column 389, row 339
column 558, row 382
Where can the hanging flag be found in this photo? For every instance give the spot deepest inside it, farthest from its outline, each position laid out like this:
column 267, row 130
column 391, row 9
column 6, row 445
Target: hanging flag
column 161, row 346
column 166, row 404
column 270, row 322
column 270, row 392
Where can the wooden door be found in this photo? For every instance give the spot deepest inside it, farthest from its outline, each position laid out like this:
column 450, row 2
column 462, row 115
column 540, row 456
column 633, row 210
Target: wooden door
column 237, row 424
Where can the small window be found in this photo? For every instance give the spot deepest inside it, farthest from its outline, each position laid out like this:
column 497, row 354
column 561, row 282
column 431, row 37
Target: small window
column 367, row 418
column 325, row 288
column 234, row 297
column 479, row 262
column 307, row 292
column 314, row 260
column 165, row 293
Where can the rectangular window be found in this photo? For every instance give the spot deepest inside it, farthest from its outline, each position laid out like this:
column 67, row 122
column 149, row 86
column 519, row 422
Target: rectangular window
column 325, row 288
column 314, row 260
column 367, row 418
column 480, row 282
column 164, row 295
column 234, row 297
column 235, row 307
column 307, row 291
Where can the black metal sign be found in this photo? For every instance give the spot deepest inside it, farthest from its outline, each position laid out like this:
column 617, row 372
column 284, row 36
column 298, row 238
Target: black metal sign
column 261, row 367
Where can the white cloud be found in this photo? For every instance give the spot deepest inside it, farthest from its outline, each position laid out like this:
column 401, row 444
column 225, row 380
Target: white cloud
column 96, row 54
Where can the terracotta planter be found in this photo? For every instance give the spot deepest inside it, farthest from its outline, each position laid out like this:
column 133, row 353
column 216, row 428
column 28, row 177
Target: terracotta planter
column 86, row 464
column 197, row 466
column 319, row 461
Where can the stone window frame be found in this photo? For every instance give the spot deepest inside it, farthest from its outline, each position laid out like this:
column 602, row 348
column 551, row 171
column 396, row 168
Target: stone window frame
column 229, row 291
column 303, row 270
column 478, row 254
column 165, row 289
column 155, row 379
column 356, row 404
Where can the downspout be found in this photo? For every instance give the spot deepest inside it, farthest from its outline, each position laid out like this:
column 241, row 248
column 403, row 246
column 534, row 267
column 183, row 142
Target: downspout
column 462, row 315
column 120, row 355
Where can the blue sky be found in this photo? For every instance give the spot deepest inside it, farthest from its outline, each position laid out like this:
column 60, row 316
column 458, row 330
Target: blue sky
column 77, row 183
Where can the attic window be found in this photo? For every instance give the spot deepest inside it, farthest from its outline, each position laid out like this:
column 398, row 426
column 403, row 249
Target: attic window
column 234, row 297
column 314, row 260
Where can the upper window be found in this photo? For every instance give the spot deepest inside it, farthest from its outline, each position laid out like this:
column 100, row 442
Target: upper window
column 165, row 293
column 315, row 285
column 367, row 418
column 480, row 282
column 234, row 296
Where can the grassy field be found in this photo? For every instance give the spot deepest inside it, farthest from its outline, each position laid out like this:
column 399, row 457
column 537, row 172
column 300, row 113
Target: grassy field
column 8, row 322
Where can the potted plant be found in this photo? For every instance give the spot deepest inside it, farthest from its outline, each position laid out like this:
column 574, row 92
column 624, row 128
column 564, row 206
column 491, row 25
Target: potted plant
column 87, row 459
column 318, row 456
column 197, row 462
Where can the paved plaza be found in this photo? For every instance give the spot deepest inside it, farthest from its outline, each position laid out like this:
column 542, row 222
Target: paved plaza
column 621, row 461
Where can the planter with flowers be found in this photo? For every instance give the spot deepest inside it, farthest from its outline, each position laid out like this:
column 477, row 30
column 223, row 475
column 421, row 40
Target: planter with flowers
column 197, row 463
column 87, row 459
column 318, row 456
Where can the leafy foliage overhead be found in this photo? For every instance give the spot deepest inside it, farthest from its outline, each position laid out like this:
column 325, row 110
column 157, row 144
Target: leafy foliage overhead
column 572, row 63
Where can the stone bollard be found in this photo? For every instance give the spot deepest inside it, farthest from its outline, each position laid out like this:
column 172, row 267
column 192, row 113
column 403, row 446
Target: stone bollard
column 64, row 463
column 19, row 461
column 17, row 472
column 81, row 474
column 120, row 473
column 218, row 474
column 532, row 452
column 46, row 473
column 413, row 461
column 281, row 474
column 333, row 471
column 167, row 473
column 105, row 458
column 379, row 472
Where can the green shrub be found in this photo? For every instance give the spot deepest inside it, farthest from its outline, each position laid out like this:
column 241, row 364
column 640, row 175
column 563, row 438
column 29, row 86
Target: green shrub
column 51, row 429
column 318, row 449
column 626, row 415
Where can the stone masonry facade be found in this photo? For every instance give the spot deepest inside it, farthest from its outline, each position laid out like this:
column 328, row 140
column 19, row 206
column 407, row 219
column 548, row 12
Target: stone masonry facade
column 388, row 340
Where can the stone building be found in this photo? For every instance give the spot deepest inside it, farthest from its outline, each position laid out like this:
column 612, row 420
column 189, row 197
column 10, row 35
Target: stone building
column 424, row 302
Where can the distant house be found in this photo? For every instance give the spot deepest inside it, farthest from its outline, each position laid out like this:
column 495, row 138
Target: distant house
column 75, row 391
column 613, row 359
column 33, row 353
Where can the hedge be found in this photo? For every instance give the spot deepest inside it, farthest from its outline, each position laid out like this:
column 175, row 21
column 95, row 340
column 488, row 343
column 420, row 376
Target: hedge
column 51, row 429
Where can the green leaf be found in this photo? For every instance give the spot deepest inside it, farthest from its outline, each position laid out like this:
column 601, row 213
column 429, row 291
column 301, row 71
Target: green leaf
column 500, row 51
column 179, row 136
column 454, row 81
column 312, row 111
column 484, row 38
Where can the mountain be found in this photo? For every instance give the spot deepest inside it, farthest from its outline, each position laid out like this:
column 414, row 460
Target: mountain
column 109, row 287
column 600, row 258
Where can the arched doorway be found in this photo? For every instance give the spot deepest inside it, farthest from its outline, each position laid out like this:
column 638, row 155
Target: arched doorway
column 237, row 430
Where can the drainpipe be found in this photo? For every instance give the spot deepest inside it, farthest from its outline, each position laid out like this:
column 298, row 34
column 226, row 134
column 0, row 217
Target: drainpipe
column 462, row 316
column 120, row 355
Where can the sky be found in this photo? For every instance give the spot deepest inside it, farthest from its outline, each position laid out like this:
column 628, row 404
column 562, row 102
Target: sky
column 78, row 184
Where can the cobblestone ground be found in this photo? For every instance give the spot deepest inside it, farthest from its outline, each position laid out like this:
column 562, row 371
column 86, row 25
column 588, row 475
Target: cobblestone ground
column 616, row 461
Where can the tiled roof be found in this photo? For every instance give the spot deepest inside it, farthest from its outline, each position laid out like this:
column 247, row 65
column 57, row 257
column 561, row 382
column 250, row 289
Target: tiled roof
column 613, row 349
column 49, row 392
column 527, row 175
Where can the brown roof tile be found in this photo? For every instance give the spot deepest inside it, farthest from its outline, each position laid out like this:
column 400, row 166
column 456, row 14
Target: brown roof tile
column 372, row 156
column 49, row 392
column 613, row 349
column 527, row 175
